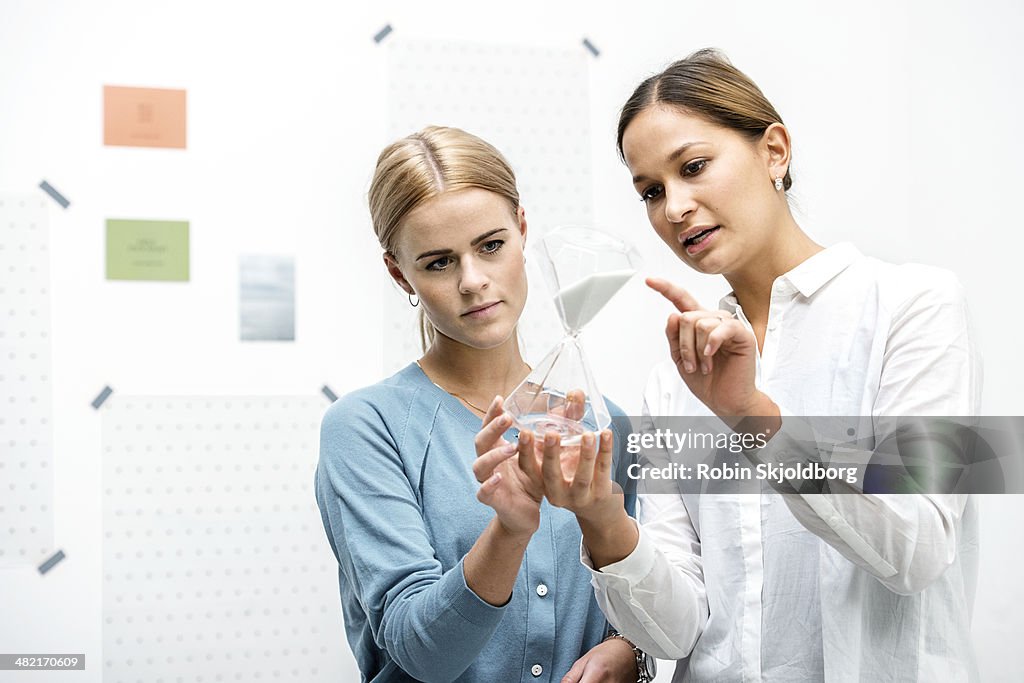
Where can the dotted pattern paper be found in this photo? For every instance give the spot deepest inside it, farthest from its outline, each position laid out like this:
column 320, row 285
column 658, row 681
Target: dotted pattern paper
column 215, row 562
column 533, row 105
column 26, row 440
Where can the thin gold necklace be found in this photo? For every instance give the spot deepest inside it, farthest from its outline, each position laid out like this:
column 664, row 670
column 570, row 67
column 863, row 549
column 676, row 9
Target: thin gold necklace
column 458, row 396
column 467, row 402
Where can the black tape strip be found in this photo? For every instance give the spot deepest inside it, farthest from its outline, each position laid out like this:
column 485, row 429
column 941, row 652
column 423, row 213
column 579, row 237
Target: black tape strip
column 382, row 34
column 57, row 196
column 49, row 564
column 103, row 396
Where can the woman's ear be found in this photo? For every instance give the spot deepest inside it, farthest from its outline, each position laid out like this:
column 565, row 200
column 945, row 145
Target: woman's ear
column 521, row 217
column 777, row 148
column 396, row 273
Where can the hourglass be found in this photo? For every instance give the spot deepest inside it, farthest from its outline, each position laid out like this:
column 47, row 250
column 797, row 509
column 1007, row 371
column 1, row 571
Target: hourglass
column 584, row 267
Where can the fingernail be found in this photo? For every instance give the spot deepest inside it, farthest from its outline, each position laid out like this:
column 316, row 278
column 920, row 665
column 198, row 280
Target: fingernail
column 707, row 350
column 704, row 368
column 688, row 366
column 509, row 448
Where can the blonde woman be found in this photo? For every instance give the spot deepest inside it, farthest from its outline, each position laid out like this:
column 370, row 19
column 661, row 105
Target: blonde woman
column 451, row 566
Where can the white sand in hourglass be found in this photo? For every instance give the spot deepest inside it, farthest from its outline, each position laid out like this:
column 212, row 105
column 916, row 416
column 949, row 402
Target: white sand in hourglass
column 561, row 394
column 581, row 300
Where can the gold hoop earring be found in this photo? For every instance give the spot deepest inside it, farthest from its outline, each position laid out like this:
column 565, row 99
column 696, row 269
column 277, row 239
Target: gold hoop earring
column 414, row 305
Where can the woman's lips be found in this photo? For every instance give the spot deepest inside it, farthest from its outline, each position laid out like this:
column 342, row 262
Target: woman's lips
column 705, row 240
column 486, row 311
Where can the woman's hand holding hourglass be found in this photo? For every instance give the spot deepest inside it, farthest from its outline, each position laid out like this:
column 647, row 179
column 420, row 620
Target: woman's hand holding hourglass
column 574, row 476
column 504, row 486
column 589, row 493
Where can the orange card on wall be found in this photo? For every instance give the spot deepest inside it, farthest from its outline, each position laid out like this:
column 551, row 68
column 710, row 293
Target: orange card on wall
column 143, row 117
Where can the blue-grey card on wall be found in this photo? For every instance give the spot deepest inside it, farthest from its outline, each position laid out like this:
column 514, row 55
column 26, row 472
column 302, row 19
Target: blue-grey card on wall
column 266, row 298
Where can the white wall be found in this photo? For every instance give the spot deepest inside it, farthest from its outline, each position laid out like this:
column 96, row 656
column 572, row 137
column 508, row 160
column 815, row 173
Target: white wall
column 906, row 142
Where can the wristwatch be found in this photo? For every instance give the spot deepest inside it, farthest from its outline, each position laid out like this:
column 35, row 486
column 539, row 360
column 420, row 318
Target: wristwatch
column 646, row 666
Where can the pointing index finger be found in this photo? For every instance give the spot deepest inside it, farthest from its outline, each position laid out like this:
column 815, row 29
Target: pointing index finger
column 679, row 297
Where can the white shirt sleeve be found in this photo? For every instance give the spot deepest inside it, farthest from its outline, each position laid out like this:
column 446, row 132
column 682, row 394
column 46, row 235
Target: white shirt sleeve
column 930, row 368
column 655, row 596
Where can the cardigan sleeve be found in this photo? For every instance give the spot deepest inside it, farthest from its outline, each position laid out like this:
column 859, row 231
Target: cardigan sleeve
column 428, row 620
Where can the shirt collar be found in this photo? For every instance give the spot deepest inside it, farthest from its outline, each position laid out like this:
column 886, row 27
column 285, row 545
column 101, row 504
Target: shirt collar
column 811, row 275
column 815, row 272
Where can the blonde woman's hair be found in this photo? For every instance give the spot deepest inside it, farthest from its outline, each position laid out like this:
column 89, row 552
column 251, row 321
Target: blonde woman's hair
column 708, row 85
column 423, row 165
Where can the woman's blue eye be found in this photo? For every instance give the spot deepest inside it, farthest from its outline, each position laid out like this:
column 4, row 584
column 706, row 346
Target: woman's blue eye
column 695, row 167
column 650, row 193
column 493, row 246
column 439, row 264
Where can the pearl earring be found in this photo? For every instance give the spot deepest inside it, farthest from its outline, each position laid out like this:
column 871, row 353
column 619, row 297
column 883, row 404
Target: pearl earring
column 778, row 184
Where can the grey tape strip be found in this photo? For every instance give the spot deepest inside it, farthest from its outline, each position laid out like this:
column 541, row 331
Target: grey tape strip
column 48, row 565
column 590, row 46
column 329, row 394
column 382, row 34
column 57, row 196
column 104, row 395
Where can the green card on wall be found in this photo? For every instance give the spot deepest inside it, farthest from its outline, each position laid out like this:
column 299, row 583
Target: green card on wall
column 147, row 250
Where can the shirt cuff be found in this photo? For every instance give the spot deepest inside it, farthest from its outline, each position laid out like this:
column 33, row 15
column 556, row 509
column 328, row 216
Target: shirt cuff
column 467, row 604
column 628, row 571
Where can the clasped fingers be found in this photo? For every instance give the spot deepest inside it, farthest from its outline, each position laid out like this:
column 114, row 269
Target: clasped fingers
column 484, row 465
column 495, row 422
column 575, row 477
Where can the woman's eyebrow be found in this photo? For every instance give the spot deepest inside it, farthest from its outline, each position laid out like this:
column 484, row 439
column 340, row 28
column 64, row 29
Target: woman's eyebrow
column 678, row 152
column 476, row 241
column 484, row 236
column 682, row 150
column 433, row 252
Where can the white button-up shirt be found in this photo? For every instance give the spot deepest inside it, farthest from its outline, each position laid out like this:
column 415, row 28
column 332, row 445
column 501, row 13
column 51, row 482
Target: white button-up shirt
column 794, row 587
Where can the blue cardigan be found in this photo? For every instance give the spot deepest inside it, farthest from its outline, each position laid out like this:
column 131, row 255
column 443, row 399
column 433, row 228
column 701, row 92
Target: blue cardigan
column 398, row 500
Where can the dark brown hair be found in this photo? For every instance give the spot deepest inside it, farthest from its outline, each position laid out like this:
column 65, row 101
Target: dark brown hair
column 705, row 84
